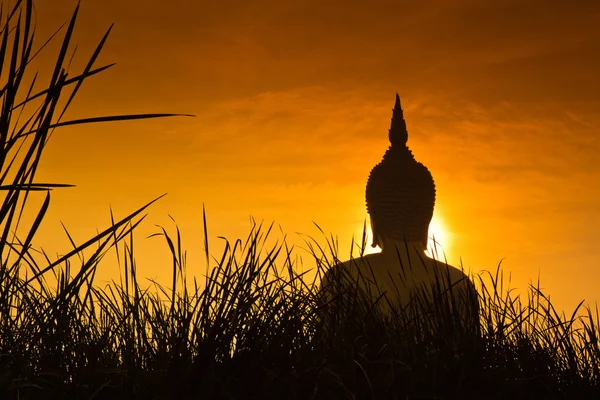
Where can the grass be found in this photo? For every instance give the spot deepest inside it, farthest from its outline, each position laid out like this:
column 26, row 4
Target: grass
column 253, row 328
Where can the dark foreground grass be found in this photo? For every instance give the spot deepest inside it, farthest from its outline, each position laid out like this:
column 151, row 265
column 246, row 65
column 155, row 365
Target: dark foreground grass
column 253, row 328
column 257, row 330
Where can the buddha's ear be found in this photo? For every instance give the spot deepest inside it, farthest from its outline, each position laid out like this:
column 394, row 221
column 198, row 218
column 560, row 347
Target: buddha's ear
column 376, row 237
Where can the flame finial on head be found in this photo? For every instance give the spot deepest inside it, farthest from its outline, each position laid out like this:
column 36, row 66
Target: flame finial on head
column 400, row 191
column 398, row 133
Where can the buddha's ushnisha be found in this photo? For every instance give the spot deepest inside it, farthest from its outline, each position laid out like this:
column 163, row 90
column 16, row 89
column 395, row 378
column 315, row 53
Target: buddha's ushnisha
column 400, row 190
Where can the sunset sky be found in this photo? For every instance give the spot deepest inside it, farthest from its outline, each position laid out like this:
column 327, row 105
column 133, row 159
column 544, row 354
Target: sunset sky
column 293, row 102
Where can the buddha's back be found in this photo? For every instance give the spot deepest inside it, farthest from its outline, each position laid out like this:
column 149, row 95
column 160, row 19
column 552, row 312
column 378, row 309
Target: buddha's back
column 403, row 282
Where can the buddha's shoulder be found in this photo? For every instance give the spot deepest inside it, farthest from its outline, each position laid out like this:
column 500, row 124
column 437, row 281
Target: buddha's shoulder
column 367, row 259
column 353, row 267
column 450, row 269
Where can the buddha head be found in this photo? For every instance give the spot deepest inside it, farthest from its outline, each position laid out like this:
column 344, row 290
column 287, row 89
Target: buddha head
column 400, row 192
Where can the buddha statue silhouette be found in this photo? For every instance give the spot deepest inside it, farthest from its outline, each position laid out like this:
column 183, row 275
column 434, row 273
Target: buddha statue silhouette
column 400, row 198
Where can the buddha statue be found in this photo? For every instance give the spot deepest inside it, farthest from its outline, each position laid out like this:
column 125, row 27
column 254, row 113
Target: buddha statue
column 400, row 197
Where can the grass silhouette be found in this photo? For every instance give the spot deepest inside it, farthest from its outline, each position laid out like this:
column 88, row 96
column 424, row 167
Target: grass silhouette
column 254, row 328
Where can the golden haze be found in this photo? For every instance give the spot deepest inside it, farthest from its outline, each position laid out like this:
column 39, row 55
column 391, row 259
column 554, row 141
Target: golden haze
column 293, row 103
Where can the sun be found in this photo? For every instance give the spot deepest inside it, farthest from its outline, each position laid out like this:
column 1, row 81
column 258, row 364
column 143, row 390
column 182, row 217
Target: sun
column 439, row 239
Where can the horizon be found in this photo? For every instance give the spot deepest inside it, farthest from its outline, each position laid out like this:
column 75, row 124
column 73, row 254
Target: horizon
column 510, row 94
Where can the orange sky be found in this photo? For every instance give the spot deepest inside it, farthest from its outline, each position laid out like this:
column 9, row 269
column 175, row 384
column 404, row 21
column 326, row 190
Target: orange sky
column 293, row 103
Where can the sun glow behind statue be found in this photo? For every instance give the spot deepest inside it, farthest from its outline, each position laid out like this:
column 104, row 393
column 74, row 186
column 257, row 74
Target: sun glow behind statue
column 439, row 239
column 437, row 247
